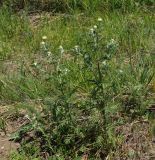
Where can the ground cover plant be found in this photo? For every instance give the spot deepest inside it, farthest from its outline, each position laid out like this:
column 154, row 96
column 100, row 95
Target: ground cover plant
column 78, row 77
column 72, row 5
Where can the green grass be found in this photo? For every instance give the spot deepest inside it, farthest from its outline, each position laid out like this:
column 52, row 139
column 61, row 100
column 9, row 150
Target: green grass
column 80, row 91
column 82, row 5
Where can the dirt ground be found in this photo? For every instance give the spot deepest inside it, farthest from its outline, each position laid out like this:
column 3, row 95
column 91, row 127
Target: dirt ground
column 11, row 125
column 138, row 143
column 6, row 147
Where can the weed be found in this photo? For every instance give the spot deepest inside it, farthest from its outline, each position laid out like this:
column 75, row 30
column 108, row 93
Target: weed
column 83, row 78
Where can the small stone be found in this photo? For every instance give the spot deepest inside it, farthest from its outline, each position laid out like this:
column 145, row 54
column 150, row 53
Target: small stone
column 2, row 134
column 2, row 148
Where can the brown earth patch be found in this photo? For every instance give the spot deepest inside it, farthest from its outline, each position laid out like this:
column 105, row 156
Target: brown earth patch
column 137, row 142
column 11, row 123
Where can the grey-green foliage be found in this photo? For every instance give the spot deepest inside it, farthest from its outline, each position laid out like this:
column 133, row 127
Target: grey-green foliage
column 81, row 95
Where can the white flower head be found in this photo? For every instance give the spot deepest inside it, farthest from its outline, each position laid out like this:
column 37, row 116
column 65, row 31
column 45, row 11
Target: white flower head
column 104, row 63
column 42, row 43
column 44, row 38
column 120, row 71
column 61, row 50
column 100, row 19
column 60, row 47
column 112, row 44
column 112, row 41
column 66, row 70
column 49, row 53
column 35, row 63
column 76, row 47
column 95, row 26
column 92, row 31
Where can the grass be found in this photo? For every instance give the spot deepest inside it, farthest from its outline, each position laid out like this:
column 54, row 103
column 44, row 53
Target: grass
column 82, row 5
column 83, row 72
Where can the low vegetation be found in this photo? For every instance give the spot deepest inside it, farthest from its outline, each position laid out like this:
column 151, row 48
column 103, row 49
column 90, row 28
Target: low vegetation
column 78, row 75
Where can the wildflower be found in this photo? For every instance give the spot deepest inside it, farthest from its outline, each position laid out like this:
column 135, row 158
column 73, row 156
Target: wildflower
column 77, row 49
column 120, row 71
column 99, row 19
column 44, row 47
column 44, row 38
column 42, row 43
column 35, row 63
column 61, row 50
column 112, row 41
column 60, row 47
column 66, row 71
column 49, row 53
column 95, row 27
column 104, row 63
column 92, row 32
column 112, row 44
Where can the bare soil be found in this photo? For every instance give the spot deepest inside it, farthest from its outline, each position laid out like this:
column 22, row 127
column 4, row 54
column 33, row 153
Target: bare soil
column 138, row 143
column 12, row 124
column 6, row 147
